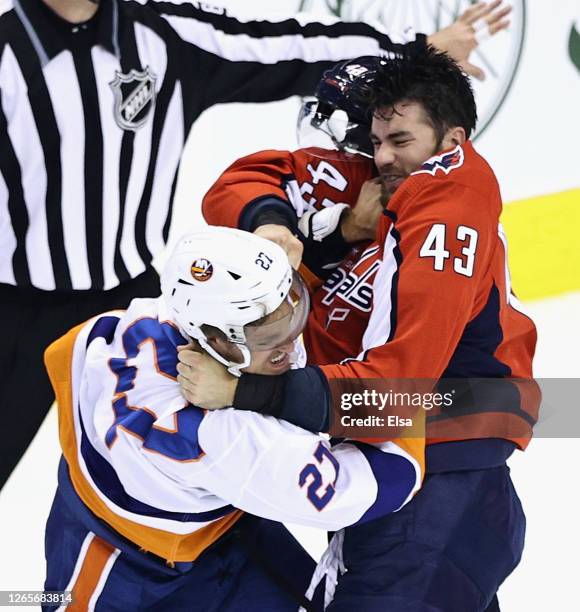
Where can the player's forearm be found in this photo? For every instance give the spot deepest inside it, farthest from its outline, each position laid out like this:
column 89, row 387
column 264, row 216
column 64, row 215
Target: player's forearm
column 300, row 397
column 265, row 211
column 302, row 478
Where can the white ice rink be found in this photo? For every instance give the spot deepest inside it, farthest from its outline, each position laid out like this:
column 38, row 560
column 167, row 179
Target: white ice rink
column 544, row 476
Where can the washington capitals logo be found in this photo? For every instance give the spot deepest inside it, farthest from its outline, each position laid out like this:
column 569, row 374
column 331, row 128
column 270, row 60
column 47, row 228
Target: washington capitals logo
column 444, row 162
column 134, row 98
column 201, row 270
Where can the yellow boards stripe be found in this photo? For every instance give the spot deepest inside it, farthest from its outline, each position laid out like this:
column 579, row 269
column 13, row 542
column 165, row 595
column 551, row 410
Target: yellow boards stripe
column 544, row 244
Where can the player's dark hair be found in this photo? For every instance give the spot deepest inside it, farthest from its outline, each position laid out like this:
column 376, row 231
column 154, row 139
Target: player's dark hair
column 432, row 79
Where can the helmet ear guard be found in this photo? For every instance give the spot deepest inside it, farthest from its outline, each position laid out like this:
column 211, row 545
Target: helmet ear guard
column 331, row 131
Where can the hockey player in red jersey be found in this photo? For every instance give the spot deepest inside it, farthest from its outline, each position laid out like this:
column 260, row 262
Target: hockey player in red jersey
column 330, row 198
column 312, row 192
column 442, row 307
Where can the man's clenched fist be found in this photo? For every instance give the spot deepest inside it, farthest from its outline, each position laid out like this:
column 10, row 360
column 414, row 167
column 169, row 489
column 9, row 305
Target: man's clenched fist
column 283, row 237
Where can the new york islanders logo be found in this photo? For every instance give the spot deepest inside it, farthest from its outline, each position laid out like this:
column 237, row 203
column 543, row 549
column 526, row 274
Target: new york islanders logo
column 444, row 162
column 201, row 270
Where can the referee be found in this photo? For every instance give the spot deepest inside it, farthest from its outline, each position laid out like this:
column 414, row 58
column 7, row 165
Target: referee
column 96, row 102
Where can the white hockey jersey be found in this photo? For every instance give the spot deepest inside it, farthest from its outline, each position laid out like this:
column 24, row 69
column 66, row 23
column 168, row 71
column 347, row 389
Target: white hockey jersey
column 172, row 477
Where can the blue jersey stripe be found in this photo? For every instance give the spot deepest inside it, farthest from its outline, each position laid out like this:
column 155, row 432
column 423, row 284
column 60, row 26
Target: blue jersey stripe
column 105, row 328
column 474, row 355
column 396, row 477
column 107, row 481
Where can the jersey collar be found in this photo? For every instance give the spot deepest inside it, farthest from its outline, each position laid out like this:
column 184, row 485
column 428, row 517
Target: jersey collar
column 47, row 31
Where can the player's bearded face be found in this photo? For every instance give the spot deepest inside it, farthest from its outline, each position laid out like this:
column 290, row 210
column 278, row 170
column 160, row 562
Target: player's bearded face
column 402, row 139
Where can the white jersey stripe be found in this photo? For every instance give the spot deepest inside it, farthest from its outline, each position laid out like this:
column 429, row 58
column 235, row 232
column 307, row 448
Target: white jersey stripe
column 269, row 13
column 379, row 326
column 511, row 298
column 5, row 6
column 170, row 146
column 167, row 160
column 105, row 66
column 138, row 175
column 78, row 565
column 7, row 236
column 18, row 112
column 65, row 95
column 271, row 49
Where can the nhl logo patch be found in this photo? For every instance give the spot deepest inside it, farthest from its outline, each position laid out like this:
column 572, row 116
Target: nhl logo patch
column 201, row 270
column 134, row 97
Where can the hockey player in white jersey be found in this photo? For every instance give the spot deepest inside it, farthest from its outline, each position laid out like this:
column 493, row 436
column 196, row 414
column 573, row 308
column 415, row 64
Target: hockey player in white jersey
column 156, row 498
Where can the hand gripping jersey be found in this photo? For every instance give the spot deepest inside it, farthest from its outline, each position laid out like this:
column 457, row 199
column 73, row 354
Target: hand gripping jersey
column 171, row 477
column 442, row 300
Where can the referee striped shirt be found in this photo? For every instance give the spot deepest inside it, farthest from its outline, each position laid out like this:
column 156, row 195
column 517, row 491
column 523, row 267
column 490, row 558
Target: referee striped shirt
column 94, row 117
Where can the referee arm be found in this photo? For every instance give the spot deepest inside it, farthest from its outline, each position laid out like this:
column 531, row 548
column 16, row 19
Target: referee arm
column 251, row 60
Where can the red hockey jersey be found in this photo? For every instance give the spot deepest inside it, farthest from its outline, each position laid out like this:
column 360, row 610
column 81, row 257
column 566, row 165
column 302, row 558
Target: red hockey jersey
column 432, row 298
column 341, row 308
column 442, row 300
column 303, row 178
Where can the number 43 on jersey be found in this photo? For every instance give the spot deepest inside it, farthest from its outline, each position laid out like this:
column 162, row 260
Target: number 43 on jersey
column 435, row 243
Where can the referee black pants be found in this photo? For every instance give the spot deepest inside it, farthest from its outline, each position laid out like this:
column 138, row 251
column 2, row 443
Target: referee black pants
column 32, row 319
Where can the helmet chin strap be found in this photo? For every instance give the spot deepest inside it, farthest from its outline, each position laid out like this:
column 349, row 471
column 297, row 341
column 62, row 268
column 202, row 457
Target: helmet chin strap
column 233, row 367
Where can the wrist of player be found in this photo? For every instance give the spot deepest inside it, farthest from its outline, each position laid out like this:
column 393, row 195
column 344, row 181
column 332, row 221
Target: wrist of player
column 218, row 397
column 222, row 396
column 352, row 231
column 260, row 393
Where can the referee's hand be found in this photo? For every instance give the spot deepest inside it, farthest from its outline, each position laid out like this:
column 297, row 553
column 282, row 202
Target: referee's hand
column 473, row 26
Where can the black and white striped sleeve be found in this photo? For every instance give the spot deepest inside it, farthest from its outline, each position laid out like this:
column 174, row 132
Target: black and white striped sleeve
column 244, row 59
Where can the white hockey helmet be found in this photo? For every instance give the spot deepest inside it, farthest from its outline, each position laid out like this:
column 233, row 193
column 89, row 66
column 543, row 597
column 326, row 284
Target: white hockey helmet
column 229, row 279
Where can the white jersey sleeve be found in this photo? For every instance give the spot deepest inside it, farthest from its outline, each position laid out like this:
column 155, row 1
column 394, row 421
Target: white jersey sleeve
column 276, row 470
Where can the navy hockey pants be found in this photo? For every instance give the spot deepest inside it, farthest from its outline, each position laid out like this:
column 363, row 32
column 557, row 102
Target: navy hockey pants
column 448, row 550
column 257, row 566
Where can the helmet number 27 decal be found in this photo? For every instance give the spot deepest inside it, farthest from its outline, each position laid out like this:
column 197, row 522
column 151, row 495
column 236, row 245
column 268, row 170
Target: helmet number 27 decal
column 263, row 261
